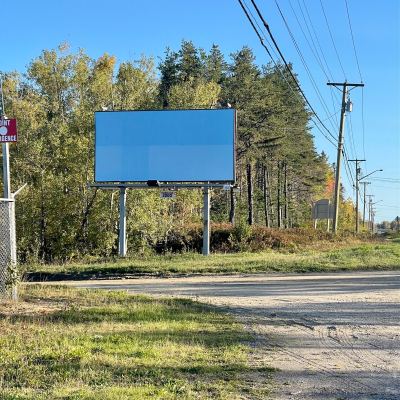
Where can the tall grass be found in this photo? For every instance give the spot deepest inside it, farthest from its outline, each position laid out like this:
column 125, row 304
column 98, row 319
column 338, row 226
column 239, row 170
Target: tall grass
column 366, row 257
column 65, row 343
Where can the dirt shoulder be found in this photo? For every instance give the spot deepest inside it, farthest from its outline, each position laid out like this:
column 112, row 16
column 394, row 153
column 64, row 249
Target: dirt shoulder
column 332, row 336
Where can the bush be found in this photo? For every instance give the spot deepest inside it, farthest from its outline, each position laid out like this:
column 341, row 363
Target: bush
column 229, row 238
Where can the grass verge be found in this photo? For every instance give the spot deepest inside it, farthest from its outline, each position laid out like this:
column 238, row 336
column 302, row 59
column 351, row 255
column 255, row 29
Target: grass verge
column 367, row 257
column 65, row 343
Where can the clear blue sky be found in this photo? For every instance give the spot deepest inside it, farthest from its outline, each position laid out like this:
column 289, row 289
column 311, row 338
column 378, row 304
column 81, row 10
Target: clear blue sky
column 127, row 28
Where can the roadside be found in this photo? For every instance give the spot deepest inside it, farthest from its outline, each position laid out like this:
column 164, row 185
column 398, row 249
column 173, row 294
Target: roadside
column 365, row 257
column 332, row 336
column 62, row 343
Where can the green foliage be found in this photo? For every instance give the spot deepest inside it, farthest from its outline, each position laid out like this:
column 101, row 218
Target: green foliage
column 61, row 219
column 345, row 254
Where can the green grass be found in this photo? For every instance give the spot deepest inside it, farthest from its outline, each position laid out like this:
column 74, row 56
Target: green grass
column 66, row 343
column 367, row 257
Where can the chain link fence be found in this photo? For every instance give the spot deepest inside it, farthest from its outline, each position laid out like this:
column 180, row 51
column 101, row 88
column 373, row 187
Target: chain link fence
column 8, row 248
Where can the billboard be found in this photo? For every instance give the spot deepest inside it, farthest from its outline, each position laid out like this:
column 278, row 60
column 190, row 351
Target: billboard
column 168, row 146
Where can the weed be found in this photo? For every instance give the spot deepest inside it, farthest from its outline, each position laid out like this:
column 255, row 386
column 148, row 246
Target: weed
column 107, row 345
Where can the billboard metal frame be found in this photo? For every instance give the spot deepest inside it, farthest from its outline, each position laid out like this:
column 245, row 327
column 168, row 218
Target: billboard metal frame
column 175, row 185
column 192, row 109
column 122, row 206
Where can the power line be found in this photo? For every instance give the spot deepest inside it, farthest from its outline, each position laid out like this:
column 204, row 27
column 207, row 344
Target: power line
column 319, row 45
column 333, row 42
column 302, row 59
column 287, row 66
column 352, row 38
column 351, row 134
column 305, row 36
column 332, row 115
column 320, row 48
column 348, row 168
column 294, row 79
column 362, row 119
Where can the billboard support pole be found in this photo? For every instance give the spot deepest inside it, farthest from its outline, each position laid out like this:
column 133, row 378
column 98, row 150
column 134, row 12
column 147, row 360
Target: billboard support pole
column 206, row 218
column 122, row 222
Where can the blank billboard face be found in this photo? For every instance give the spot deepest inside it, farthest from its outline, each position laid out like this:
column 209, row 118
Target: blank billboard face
column 168, row 146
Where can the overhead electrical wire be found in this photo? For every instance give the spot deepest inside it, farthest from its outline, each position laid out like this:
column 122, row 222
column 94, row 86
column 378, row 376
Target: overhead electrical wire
column 333, row 103
column 302, row 59
column 347, row 167
column 352, row 38
column 316, row 55
column 294, row 79
column 319, row 45
column 333, row 42
column 362, row 119
column 320, row 48
column 288, row 68
column 316, row 37
column 332, row 115
column 313, row 83
column 359, row 71
column 351, row 137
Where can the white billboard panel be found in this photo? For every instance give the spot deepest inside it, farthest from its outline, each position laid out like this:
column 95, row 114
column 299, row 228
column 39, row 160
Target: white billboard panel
column 168, row 146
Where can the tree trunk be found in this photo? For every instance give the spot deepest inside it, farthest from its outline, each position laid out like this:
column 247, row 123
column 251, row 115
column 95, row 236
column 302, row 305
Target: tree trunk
column 279, row 206
column 286, row 198
column 250, row 193
column 267, row 224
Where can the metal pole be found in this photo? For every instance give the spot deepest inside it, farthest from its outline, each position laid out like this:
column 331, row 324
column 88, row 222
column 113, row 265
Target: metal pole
column 339, row 160
column 13, row 247
column 316, row 216
column 122, row 222
column 206, row 219
column 328, row 216
column 6, row 170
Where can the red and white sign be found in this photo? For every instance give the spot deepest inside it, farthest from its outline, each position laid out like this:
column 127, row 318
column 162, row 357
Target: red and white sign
column 8, row 130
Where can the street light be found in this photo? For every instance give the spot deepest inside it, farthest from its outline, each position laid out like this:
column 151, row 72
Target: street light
column 378, row 170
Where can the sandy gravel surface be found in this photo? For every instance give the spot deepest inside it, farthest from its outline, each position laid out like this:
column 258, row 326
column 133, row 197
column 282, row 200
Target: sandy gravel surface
column 332, row 336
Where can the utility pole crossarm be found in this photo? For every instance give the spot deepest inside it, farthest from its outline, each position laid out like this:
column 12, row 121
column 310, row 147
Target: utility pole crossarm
column 344, row 84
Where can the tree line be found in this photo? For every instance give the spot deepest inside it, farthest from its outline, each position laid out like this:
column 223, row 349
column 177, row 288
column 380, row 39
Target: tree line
column 279, row 172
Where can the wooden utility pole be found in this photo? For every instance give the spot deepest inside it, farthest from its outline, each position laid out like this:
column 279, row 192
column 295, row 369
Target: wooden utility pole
column 369, row 209
column 345, row 85
column 365, row 198
column 357, row 190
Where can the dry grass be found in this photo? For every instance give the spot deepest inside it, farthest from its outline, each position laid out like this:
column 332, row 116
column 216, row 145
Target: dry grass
column 64, row 343
column 367, row 257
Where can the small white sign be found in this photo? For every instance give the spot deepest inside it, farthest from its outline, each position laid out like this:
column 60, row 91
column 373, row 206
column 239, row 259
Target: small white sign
column 227, row 187
column 167, row 195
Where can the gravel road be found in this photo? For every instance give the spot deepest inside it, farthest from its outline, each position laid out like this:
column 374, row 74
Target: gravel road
column 332, row 336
